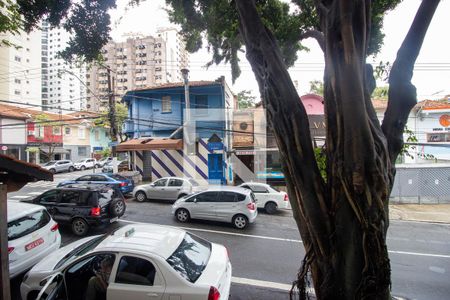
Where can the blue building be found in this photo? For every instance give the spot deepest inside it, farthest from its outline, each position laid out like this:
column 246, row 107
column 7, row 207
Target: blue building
column 165, row 139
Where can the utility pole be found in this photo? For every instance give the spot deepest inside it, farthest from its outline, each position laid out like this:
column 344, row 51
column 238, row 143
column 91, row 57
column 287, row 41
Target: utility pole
column 112, row 113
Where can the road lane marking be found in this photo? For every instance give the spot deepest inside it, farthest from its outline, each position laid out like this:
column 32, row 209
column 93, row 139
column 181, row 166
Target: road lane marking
column 284, row 240
column 419, row 254
column 226, row 232
column 267, row 284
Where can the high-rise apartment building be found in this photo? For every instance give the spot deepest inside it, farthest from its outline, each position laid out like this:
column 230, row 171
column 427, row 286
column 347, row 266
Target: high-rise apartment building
column 20, row 69
column 136, row 63
column 63, row 84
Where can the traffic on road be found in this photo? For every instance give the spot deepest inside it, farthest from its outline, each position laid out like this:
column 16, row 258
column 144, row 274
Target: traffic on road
column 263, row 249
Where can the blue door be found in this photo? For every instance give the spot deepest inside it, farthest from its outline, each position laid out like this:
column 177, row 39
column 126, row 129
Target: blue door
column 215, row 168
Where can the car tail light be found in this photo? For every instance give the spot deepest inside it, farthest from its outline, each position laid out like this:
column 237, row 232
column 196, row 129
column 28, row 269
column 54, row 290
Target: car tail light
column 286, row 197
column 123, row 184
column 95, row 211
column 213, row 294
column 10, row 249
column 54, row 227
column 251, row 206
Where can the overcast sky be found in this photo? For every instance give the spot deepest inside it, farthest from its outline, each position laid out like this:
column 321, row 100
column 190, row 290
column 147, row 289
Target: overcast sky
column 431, row 75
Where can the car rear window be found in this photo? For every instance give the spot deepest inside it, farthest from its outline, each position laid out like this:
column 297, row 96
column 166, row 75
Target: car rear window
column 117, row 177
column 274, row 188
column 28, row 224
column 191, row 257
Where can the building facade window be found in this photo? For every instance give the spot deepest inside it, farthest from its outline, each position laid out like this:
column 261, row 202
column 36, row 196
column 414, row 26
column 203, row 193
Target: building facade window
column 81, row 133
column 67, row 130
column 56, row 130
column 166, row 104
column 82, row 151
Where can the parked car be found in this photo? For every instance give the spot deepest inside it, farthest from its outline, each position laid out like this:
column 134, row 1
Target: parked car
column 267, row 196
column 103, row 161
column 166, row 188
column 86, row 163
column 83, row 206
column 227, row 204
column 147, row 262
column 121, row 166
column 126, row 185
column 56, row 166
column 32, row 235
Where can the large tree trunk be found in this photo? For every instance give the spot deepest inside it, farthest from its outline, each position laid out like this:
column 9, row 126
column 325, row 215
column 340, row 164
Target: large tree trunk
column 343, row 221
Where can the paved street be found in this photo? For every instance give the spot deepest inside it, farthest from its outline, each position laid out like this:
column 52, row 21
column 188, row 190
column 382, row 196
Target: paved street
column 266, row 256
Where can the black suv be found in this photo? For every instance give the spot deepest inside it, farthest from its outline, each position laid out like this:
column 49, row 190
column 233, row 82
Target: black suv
column 83, row 206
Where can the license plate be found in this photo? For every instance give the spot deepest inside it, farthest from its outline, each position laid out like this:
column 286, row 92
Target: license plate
column 113, row 220
column 34, row 244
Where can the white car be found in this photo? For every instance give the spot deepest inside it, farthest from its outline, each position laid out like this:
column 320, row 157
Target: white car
column 234, row 205
column 147, row 262
column 86, row 163
column 32, row 235
column 267, row 196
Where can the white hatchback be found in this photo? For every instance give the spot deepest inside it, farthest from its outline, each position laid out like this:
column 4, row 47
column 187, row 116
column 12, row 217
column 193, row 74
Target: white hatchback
column 267, row 196
column 32, row 235
column 145, row 262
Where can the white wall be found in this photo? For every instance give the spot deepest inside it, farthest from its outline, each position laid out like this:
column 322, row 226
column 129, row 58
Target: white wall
column 13, row 134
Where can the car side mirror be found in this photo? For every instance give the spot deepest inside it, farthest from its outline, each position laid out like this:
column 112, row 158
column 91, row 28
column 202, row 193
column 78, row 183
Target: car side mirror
column 195, row 200
column 152, row 184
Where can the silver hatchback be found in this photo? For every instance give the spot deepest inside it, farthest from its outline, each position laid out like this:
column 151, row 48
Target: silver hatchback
column 234, row 205
column 56, row 166
column 166, row 188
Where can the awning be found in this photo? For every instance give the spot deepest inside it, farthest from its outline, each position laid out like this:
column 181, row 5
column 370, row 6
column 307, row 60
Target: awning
column 56, row 150
column 150, row 144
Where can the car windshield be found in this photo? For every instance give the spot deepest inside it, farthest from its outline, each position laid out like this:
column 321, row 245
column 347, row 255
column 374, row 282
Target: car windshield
column 80, row 250
column 193, row 182
column 28, row 224
column 52, row 162
column 191, row 257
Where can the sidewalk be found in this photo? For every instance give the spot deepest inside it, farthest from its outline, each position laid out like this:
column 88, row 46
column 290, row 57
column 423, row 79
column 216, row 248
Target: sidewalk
column 436, row 213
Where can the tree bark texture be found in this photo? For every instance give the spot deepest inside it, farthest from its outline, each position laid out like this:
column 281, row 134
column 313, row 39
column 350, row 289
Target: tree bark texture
column 343, row 221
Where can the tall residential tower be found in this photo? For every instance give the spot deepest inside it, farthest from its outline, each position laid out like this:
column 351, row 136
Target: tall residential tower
column 138, row 62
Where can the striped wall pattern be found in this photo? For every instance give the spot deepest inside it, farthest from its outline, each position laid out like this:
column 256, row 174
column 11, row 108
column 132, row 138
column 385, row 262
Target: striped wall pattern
column 138, row 161
column 166, row 163
column 177, row 163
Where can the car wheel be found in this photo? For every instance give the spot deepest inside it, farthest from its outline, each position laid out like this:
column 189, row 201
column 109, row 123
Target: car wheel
column 141, row 196
column 83, row 168
column 270, row 208
column 53, row 171
column 71, row 169
column 182, row 215
column 97, row 166
column 117, row 207
column 80, row 227
column 240, row 221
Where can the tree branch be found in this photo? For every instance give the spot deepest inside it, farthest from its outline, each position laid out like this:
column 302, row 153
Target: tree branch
column 402, row 93
column 289, row 120
column 315, row 34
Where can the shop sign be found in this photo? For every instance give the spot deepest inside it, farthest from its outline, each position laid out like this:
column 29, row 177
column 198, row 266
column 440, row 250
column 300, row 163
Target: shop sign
column 444, row 120
column 245, row 152
column 215, row 146
column 4, row 148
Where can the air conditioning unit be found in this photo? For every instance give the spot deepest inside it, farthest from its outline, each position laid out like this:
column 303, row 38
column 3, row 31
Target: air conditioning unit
column 30, row 132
